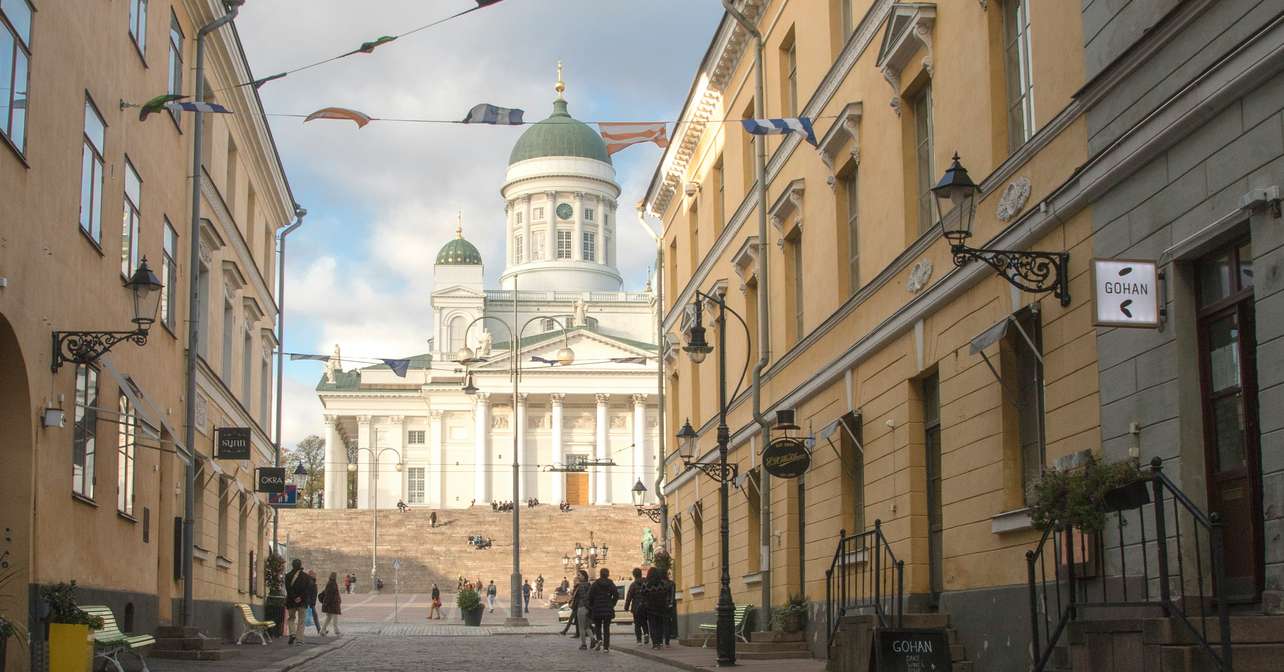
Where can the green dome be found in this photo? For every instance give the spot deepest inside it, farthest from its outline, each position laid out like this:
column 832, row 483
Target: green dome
column 559, row 135
column 459, row 252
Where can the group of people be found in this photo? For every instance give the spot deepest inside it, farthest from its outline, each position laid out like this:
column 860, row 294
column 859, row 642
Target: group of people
column 650, row 600
column 653, row 602
column 501, row 506
column 564, row 507
column 532, row 503
column 349, row 582
column 301, row 598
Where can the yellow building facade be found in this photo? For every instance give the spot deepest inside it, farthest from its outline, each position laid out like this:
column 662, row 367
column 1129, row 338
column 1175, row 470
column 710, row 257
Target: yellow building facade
column 93, row 459
column 870, row 322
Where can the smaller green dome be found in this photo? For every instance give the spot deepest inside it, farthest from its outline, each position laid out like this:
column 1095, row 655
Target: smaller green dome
column 459, row 252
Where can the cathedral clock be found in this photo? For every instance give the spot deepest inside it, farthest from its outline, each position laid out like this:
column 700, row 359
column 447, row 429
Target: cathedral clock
column 564, row 211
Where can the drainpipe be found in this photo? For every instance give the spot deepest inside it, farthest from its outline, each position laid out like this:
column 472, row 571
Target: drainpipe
column 195, row 310
column 764, row 287
column 299, row 214
column 659, row 372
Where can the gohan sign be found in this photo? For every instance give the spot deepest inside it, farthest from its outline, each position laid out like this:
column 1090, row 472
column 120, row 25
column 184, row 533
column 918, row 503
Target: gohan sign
column 1125, row 293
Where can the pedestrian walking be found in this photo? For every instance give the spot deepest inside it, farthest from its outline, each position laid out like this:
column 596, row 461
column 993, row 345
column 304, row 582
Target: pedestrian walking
column 539, row 587
column 526, row 596
column 491, row 592
column 331, row 602
column 354, row 583
column 580, row 608
column 633, row 605
column 432, row 519
column 434, row 611
column 347, row 583
column 296, row 598
column 602, row 596
column 654, row 595
column 671, row 600
column 312, row 599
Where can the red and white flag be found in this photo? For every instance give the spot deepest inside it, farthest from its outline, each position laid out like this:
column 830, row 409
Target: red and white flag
column 622, row 134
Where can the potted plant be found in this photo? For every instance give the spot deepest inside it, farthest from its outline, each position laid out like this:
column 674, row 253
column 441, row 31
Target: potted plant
column 8, row 628
column 470, row 606
column 792, row 617
column 70, row 647
column 1080, row 498
column 274, row 602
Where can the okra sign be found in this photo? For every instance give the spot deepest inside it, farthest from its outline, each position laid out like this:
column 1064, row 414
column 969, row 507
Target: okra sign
column 1125, row 293
column 269, row 479
column 786, row 457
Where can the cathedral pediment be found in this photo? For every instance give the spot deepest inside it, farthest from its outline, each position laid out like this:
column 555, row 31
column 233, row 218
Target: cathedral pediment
column 458, row 291
column 594, row 351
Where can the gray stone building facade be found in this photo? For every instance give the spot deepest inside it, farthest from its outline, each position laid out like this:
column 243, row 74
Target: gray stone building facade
column 1196, row 101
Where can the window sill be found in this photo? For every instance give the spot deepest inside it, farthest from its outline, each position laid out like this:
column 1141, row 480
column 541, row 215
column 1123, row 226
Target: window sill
column 1016, row 520
column 126, row 516
column 222, row 562
column 83, row 499
column 754, row 579
column 169, row 330
column 90, row 239
column 142, row 58
column 696, row 591
column 199, row 553
column 16, row 152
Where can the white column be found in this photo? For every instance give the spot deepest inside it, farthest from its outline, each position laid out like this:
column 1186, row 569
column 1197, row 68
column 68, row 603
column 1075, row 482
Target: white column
column 519, row 418
column 526, row 237
column 558, row 493
column 434, row 474
column 639, row 439
column 577, row 232
column 392, row 483
column 364, row 473
column 551, row 253
column 600, row 474
column 481, row 445
column 600, row 215
column 510, row 228
column 336, row 465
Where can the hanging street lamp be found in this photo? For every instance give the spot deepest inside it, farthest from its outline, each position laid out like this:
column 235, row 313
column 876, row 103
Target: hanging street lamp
column 85, row 347
column 1038, row 272
column 639, row 496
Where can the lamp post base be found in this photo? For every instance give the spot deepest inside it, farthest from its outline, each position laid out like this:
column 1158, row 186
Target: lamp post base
column 517, row 621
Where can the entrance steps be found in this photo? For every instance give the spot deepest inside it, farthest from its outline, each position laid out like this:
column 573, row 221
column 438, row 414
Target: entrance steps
column 852, row 648
column 1161, row 644
column 770, row 645
column 187, row 643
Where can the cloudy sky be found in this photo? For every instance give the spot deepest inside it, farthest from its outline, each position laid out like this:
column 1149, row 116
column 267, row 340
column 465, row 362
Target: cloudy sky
column 382, row 200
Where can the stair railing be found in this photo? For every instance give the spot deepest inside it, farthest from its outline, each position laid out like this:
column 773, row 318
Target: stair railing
column 1085, row 573
column 864, row 577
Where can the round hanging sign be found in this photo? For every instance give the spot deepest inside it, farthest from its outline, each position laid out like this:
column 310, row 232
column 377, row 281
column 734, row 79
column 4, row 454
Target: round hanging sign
column 786, row 458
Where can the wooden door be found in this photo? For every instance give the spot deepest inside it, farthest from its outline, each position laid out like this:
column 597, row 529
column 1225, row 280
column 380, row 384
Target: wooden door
column 577, row 487
column 1232, row 448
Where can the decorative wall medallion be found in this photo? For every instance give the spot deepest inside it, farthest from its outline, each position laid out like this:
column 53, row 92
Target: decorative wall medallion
column 918, row 277
column 536, row 422
column 202, row 414
column 619, row 421
column 499, row 422
column 584, row 421
column 1013, row 199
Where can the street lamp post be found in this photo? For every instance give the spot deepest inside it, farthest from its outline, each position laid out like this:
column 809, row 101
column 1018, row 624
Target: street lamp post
column 697, row 349
column 466, row 356
column 374, row 505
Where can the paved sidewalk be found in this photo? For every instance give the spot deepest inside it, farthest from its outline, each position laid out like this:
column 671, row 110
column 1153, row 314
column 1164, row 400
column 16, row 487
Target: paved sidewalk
column 275, row 657
column 696, row 659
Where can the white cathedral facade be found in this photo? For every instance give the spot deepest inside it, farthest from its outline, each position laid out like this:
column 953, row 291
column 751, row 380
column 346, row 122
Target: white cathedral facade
column 423, row 440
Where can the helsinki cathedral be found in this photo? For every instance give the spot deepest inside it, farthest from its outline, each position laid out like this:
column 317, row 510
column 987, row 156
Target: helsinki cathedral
column 445, row 434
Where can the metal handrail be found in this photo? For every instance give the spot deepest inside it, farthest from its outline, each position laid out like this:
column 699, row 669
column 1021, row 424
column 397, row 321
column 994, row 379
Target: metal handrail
column 864, row 574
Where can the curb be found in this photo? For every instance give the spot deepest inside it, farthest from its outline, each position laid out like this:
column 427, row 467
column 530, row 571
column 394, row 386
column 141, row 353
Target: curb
column 306, row 657
column 648, row 655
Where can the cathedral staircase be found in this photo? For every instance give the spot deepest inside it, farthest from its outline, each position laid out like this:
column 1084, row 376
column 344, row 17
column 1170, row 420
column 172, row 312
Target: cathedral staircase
column 339, row 541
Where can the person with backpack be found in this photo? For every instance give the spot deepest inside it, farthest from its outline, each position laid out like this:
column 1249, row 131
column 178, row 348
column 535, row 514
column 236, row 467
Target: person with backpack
column 633, row 605
column 602, row 596
column 434, row 611
column 491, row 592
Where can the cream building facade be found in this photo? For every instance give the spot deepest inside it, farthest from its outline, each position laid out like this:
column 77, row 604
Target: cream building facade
column 420, row 439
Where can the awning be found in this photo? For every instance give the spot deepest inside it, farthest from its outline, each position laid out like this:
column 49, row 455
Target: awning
column 996, row 333
column 849, row 423
column 151, row 417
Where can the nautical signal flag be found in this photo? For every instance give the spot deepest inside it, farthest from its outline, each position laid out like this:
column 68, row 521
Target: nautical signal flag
column 358, row 118
column 486, row 113
column 619, row 135
column 797, row 125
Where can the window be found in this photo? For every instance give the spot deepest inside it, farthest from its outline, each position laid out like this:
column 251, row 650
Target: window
column 92, row 174
column 85, row 432
column 677, row 558
column 130, row 220
column 175, row 59
column 588, row 246
column 753, row 521
column 848, row 17
column 229, row 321
column 517, row 249
column 1016, row 58
column 563, row 244
column 1023, row 382
column 415, row 437
column 138, row 23
column 537, row 213
column 229, row 184
column 588, row 214
column 519, row 216
column 538, row 238
column 247, row 363
column 415, row 485
column 793, row 248
column 931, row 395
column 749, row 163
column 548, row 324
column 693, row 237
column 198, row 508
column 203, row 305
column 126, row 435
column 922, row 106
column 789, row 67
column 265, row 385
column 720, row 197
column 455, row 336
column 15, row 56
column 851, row 199
column 697, row 563
column 224, row 485
column 853, row 474
column 169, row 276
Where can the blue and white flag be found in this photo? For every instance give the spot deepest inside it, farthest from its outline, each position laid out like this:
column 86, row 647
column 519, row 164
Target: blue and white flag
column 486, row 113
column 799, row 125
column 214, row 108
column 398, row 366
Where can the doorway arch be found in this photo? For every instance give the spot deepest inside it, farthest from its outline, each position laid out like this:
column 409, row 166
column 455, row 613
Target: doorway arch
column 16, row 416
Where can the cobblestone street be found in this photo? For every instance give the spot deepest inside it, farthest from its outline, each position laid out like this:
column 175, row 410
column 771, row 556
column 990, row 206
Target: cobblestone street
column 510, row 653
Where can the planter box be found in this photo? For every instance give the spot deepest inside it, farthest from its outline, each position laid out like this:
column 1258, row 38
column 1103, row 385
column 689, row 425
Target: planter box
column 70, row 648
column 274, row 610
column 473, row 616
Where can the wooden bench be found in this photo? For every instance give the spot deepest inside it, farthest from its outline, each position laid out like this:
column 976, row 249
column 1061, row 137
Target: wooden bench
column 254, row 626
column 110, row 642
column 738, row 622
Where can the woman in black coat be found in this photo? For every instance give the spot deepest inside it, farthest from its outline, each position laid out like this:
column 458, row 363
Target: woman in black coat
column 654, row 595
column 602, row 596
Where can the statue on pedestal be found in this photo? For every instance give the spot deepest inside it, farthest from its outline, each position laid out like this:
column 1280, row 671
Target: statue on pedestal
column 648, row 546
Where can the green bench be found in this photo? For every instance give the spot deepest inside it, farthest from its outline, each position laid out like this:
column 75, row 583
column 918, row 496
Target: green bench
column 739, row 621
column 110, row 642
column 254, row 626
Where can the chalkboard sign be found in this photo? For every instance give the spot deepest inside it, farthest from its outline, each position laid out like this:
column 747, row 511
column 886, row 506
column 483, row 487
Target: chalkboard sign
column 233, row 443
column 912, row 651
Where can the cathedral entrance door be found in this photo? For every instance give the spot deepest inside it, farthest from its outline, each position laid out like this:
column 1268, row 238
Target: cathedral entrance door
column 577, row 489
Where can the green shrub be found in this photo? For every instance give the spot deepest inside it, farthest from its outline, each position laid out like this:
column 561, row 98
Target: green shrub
column 61, row 598
column 467, row 600
column 1075, row 498
column 793, row 616
column 274, row 574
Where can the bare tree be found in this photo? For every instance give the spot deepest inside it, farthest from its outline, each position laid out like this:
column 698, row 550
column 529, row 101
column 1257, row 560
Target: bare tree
column 310, row 452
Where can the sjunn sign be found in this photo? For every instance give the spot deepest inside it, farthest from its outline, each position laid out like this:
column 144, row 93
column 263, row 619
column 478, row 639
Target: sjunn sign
column 232, row 443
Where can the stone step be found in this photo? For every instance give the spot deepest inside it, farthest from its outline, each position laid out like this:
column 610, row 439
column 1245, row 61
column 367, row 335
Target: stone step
column 185, row 644
column 196, row 654
column 1244, row 630
column 771, row 655
column 770, row 647
column 1247, row 658
column 177, row 631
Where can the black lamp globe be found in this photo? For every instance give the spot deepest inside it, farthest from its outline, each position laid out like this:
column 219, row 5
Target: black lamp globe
column 145, row 287
column 956, row 191
column 639, row 493
column 687, row 438
column 300, row 475
column 469, row 388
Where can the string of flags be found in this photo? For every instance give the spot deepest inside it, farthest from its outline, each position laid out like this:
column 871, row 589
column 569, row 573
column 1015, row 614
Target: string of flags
column 174, row 102
column 795, row 125
column 401, row 365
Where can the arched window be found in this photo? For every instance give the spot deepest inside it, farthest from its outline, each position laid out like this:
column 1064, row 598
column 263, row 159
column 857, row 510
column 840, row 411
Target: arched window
column 455, row 334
